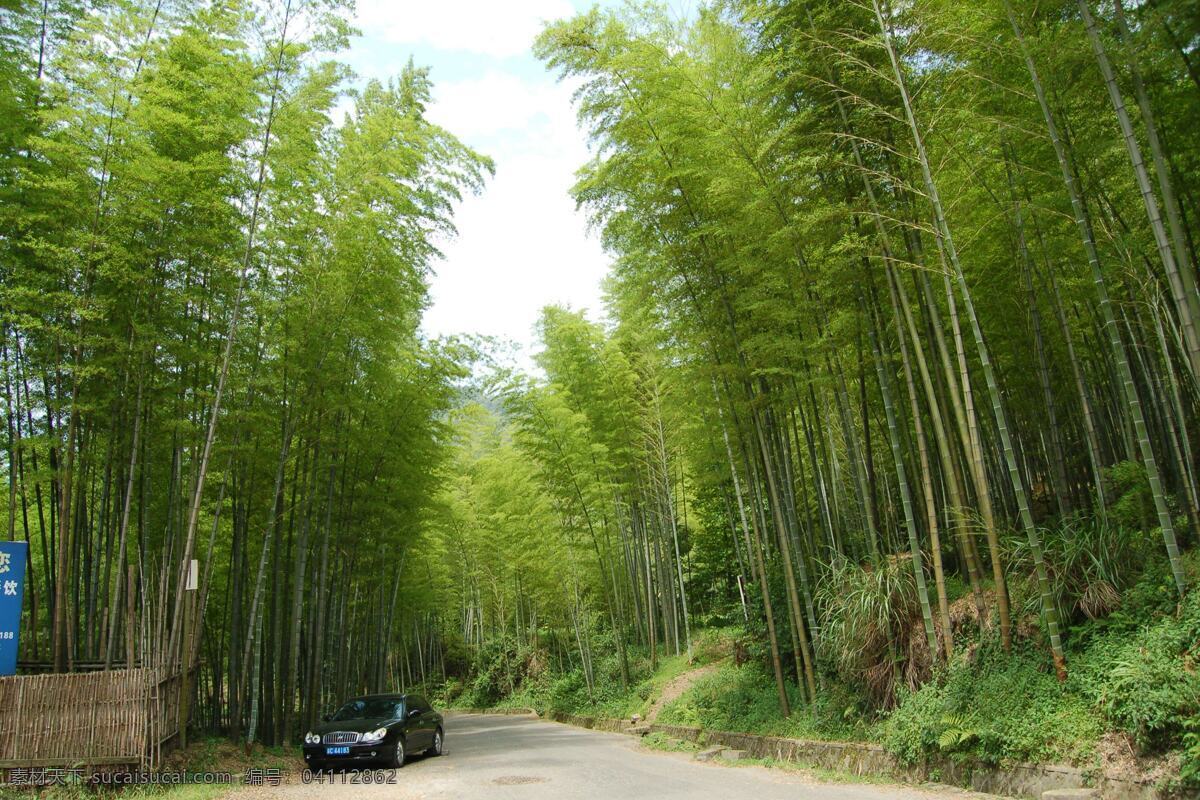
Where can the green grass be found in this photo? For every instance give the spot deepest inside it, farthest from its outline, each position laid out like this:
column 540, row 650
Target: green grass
column 80, row 792
column 660, row 741
column 745, row 699
column 217, row 754
column 567, row 691
column 190, row 792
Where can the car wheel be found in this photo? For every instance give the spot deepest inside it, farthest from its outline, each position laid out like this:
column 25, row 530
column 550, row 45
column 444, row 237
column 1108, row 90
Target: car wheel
column 397, row 760
column 318, row 766
column 436, row 749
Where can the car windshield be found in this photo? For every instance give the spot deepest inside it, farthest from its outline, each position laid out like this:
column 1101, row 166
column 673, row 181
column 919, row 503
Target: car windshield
column 370, row 709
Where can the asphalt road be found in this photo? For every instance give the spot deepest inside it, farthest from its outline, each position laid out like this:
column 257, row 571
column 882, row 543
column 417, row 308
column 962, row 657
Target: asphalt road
column 524, row 758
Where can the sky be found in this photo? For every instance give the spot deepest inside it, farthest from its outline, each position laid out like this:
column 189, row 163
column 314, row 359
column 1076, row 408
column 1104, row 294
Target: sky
column 521, row 243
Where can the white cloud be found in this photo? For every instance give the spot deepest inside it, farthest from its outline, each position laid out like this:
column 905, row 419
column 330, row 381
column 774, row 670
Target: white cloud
column 501, row 105
column 498, row 28
column 521, row 244
column 520, row 247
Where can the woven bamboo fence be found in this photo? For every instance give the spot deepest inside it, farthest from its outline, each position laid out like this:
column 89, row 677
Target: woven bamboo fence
column 87, row 719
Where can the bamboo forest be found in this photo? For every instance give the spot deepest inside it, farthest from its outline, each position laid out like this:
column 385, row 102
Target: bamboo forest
column 883, row 431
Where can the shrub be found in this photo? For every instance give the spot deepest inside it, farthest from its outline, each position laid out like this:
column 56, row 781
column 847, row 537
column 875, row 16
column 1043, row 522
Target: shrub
column 503, row 669
column 568, row 691
column 1002, row 708
column 449, row 694
column 730, row 699
column 913, row 730
column 1189, row 768
column 1147, row 684
column 1132, row 504
column 495, row 674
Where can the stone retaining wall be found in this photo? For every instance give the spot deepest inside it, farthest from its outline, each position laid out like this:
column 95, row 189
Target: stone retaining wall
column 592, row 723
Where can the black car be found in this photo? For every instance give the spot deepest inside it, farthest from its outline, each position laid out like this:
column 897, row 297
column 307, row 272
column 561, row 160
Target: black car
column 383, row 728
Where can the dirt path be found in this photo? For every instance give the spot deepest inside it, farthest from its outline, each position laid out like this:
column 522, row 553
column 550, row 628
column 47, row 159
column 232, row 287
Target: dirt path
column 677, row 686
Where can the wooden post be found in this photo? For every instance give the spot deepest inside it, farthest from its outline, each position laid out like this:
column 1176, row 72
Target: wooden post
column 186, row 655
column 129, row 618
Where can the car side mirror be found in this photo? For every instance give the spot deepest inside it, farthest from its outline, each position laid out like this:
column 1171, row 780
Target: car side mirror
column 414, row 712
column 326, row 717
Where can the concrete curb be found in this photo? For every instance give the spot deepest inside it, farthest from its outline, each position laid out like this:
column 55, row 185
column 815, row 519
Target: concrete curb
column 516, row 712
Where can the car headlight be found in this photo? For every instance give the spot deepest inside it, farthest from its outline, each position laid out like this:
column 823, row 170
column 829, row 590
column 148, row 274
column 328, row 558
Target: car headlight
column 375, row 735
column 312, row 738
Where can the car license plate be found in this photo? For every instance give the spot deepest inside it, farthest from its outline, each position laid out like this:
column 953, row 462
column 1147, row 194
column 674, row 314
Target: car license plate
column 337, row 751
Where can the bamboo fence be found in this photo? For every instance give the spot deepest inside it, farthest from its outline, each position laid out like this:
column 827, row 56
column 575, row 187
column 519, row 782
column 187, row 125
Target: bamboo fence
column 88, row 719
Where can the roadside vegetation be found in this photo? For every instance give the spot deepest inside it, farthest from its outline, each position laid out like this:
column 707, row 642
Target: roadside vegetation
column 1135, row 688
column 888, row 420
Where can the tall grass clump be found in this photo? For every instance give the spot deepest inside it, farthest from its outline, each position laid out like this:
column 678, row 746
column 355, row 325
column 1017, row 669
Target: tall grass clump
column 871, row 631
column 1091, row 562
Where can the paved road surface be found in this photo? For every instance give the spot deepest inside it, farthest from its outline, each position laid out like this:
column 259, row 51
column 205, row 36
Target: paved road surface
column 523, row 758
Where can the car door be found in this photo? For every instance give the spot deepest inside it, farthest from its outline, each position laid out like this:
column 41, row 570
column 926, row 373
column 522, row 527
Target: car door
column 418, row 735
column 425, row 721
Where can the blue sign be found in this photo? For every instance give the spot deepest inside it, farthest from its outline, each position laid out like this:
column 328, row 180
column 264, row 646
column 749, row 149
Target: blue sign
column 12, row 589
